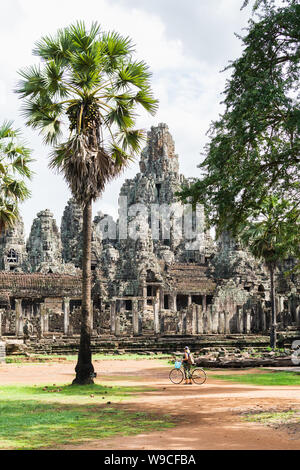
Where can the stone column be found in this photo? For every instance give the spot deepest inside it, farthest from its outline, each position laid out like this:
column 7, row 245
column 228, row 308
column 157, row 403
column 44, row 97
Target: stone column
column 189, row 300
column 19, row 318
column 207, row 322
column 189, row 320
column 156, row 317
column 200, row 320
column 221, row 322
column 1, row 311
column 227, row 327
column 214, row 321
column 204, row 303
column 209, row 318
column 248, row 321
column 183, row 323
column 135, row 318
column 263, row 320
column 281, row 304
column 194, row 320
column 66, row 306
column 44, row 320
column 172, row 302
column 140, row 315
column 145, row 296
column 239, row 318
column 113, row 317
column 162, row 299
column 117, row 318
column 204, row 321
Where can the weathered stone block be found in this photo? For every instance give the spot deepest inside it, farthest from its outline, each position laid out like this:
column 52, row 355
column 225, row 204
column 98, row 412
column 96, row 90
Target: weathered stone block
column 2, row 351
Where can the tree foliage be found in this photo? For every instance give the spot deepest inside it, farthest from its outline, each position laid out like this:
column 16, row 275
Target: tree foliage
column 14, row 168
column 88, row 82
column 253, row 151
column 272, row 233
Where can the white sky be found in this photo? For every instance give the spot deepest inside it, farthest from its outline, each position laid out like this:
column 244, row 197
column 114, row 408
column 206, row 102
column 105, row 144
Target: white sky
column 185, row 42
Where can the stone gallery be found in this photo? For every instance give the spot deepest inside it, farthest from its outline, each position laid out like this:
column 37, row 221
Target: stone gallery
column 156, row 271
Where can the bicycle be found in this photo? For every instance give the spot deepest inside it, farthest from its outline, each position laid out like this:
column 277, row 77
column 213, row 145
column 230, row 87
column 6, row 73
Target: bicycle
column 176, row 375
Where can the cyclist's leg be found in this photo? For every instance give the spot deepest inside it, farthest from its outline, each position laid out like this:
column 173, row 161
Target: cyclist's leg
column 189, row 374
column 185, row 371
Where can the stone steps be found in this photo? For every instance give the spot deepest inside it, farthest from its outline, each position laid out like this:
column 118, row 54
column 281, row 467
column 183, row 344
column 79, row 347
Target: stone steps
column 164, row 344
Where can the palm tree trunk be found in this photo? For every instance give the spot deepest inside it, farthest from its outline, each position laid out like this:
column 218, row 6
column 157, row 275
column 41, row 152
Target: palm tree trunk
column 273, row 309
column 84, row 368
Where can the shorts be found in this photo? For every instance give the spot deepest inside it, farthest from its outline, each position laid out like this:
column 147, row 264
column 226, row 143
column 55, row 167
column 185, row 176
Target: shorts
column 187, row 370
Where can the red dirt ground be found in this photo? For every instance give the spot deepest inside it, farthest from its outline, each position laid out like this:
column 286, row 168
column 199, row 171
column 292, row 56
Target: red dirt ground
column 208, row 416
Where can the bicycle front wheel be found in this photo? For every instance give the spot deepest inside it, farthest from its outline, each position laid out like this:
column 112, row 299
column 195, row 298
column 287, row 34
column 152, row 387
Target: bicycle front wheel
column 199, row 376
column 176, row 376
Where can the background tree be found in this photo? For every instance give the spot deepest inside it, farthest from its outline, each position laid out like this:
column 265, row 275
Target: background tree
column 14, row 163
column 89, row 81
column 254, row 146
column 272, row 237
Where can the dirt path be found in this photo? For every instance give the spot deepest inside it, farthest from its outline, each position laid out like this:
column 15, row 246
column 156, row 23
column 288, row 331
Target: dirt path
column 208, row 416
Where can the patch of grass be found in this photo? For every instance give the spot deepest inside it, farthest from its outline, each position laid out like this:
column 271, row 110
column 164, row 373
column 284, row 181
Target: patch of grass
column 69, row 393
column 264, row 378
column 50, row 416
column 277, row 417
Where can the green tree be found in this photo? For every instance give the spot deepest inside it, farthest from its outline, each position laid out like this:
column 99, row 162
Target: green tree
column 253, row 149
column 89, row 81
column 14, row 164
column 273, row 237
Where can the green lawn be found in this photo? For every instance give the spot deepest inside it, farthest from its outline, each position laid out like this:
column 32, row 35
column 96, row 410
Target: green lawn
column 280, row 417
column 49, row 416
column 263, row 378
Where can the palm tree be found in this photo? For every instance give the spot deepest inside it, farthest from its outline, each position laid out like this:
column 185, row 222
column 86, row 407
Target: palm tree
column 273, row 237
column 89, row 81
column 14, row 162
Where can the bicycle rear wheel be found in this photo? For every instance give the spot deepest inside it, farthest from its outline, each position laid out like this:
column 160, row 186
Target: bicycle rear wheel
column 176, row 376
column 199, row 376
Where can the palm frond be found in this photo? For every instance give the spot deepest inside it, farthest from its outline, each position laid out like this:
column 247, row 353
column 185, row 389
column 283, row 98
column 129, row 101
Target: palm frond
column 55, row 84
column 146, row 99
column 57, row 47
column 43, row 114
column 33, row 82
column 82, row 38
column 121, row 115
column 9, row 214
column 14, row 189
column 131, row 140
column 114, row 48
column 133, row 73
column 7, row 131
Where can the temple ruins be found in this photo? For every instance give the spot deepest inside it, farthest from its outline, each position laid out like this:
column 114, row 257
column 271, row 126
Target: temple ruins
column 150, row 280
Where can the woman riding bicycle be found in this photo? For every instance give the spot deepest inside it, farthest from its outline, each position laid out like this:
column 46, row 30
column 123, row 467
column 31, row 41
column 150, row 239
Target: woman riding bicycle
column 187, row 363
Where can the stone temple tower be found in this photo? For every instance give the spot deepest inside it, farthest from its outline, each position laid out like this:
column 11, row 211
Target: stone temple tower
column 13, row 256
column 44, row 244
column 71, row 233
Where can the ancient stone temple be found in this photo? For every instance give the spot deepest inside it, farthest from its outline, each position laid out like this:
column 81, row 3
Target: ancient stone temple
column 44, row 244
column 13, row 254
column 157, row 272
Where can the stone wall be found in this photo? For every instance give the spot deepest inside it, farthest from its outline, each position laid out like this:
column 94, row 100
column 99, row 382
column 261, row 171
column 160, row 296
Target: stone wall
column 2, row 351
